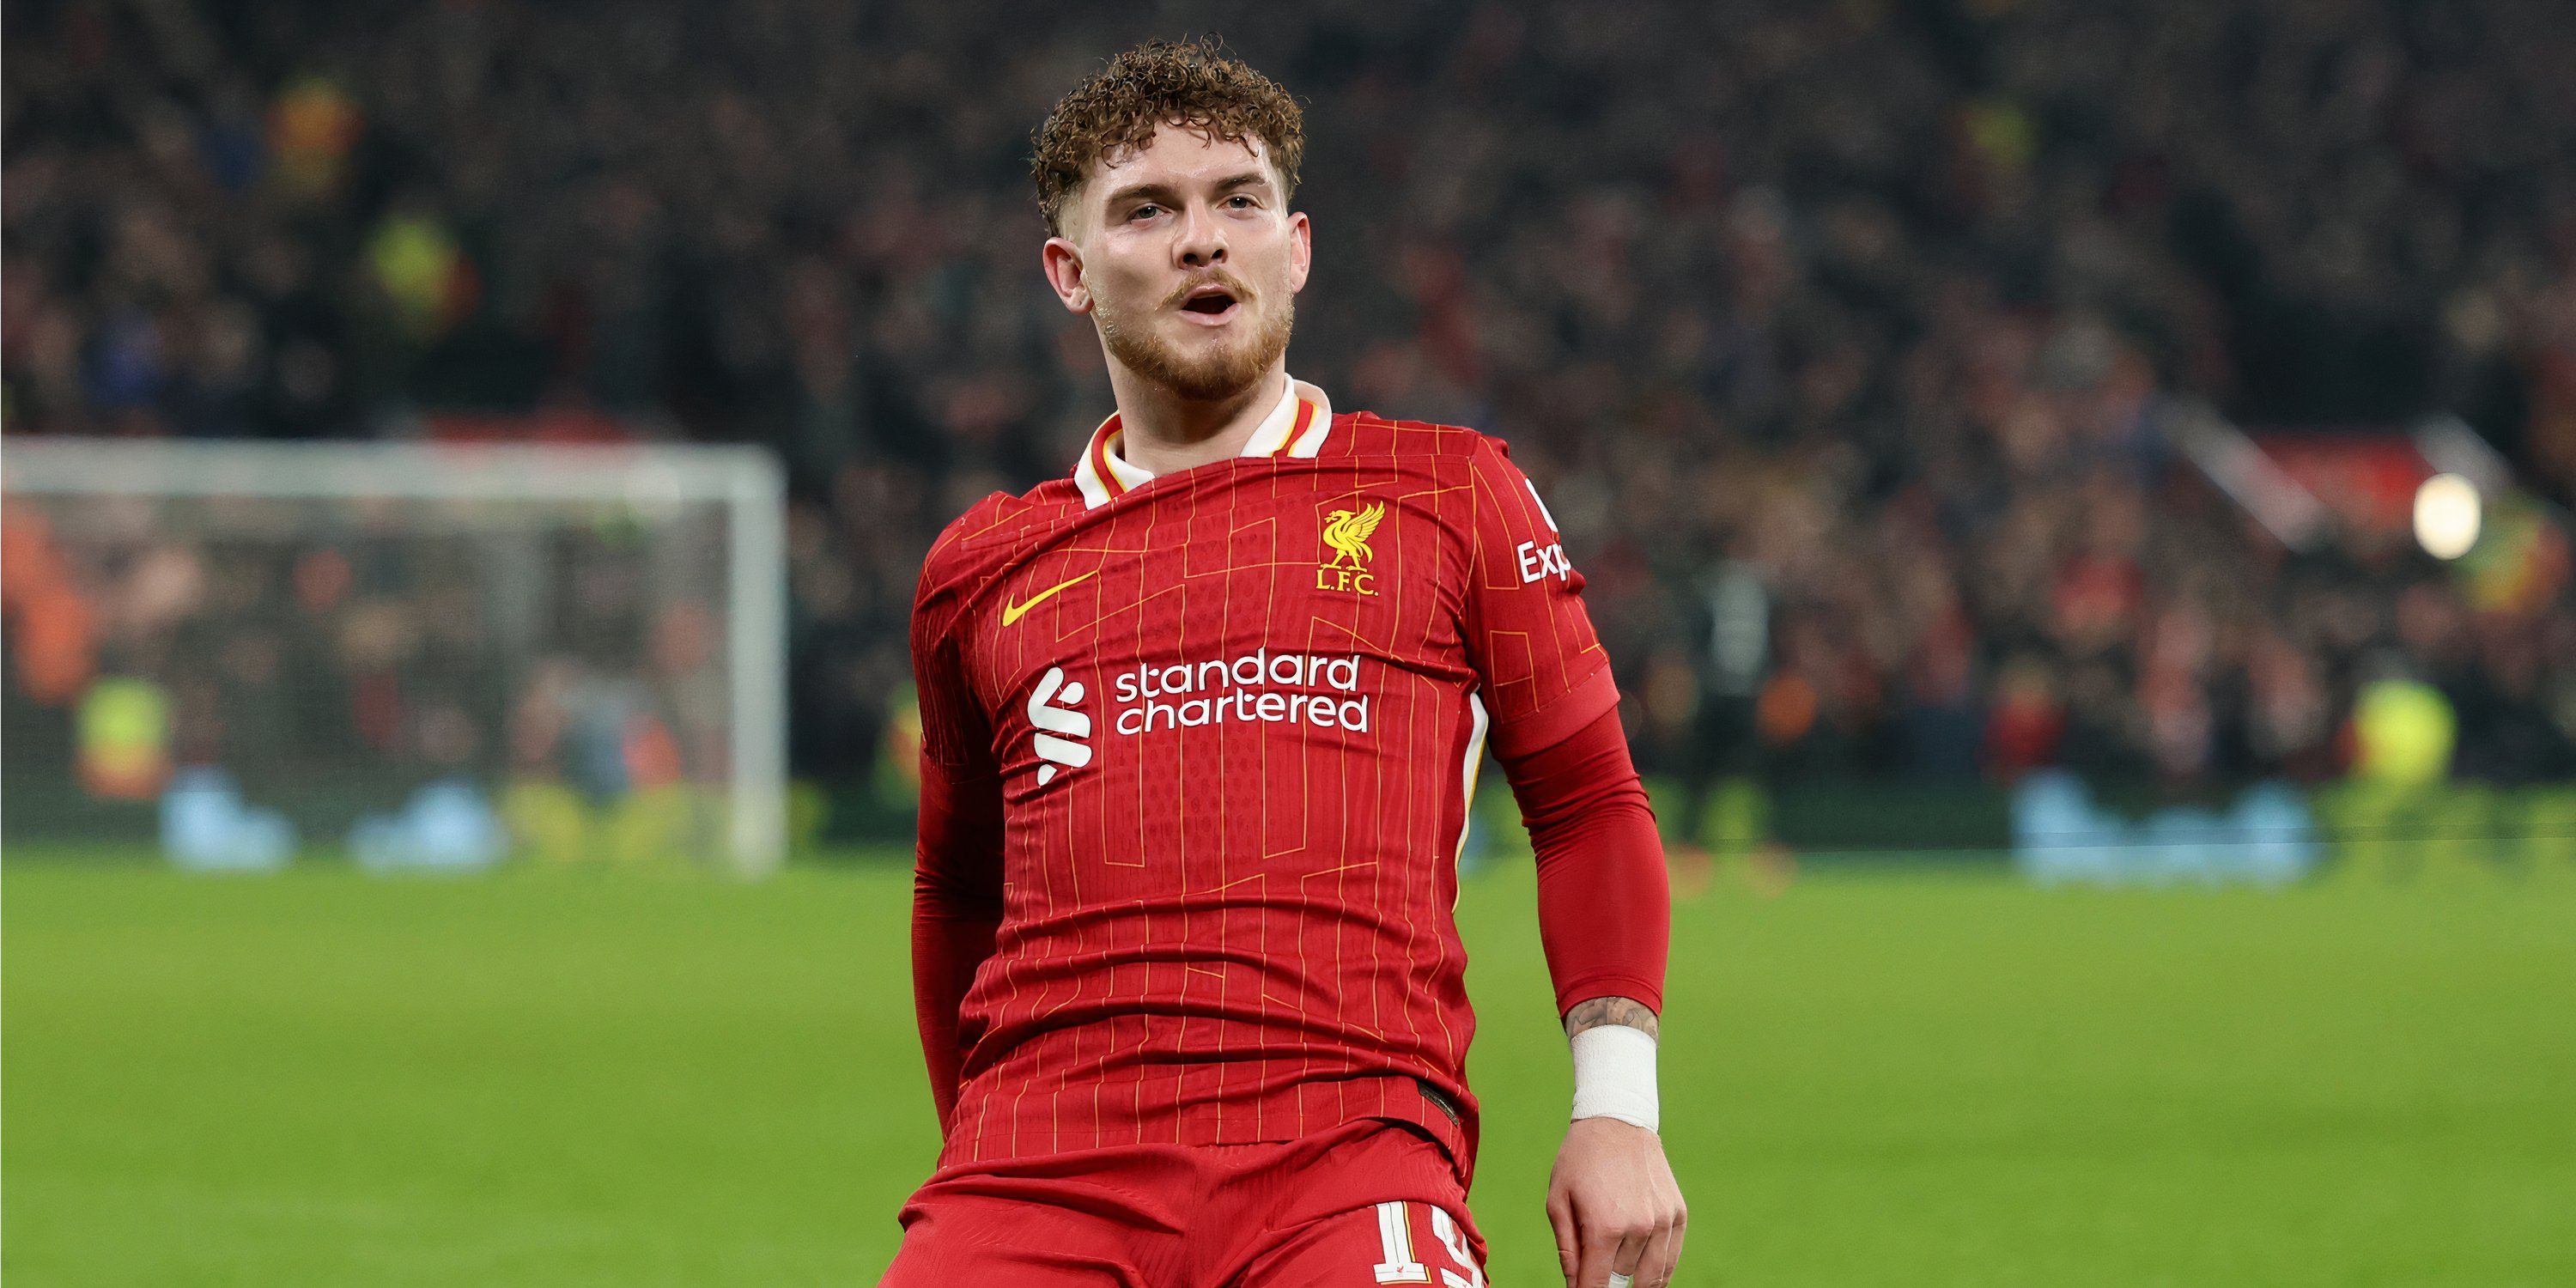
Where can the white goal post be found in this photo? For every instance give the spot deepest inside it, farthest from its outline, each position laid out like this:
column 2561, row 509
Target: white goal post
column 452, row 487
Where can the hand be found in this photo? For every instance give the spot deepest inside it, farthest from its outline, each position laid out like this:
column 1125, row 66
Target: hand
column 1615, row 1206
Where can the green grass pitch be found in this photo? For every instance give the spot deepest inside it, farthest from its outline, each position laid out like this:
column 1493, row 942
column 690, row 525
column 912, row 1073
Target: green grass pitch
column 554, row 1079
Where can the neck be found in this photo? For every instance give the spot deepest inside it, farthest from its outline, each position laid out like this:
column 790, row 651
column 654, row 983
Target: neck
column 1160, row 431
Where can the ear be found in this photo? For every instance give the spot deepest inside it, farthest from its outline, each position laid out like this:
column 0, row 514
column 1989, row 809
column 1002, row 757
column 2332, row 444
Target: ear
column 1301, row 251
column 1062, row 261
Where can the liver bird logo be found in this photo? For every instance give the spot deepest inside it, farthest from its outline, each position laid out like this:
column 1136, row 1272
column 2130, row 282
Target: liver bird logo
column 1348, row 534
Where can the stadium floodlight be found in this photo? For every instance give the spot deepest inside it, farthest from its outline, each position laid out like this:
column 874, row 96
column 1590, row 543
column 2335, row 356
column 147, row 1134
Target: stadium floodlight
column 342, row 623
column 2447, row 516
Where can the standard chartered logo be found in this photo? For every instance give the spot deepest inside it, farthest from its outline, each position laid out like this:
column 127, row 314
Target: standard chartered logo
column 1060, row 729
column 1259, row 686
column 1256, row 686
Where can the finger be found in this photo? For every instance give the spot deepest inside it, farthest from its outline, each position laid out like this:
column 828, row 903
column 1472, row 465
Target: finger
column 1673, row 1253
column 1598, row 1246
column 1561, row 1219
column 1655, row 1262
column 1625, row 1259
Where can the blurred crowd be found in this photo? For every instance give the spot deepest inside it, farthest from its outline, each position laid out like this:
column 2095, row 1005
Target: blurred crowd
column 1845, row 339
column 337, row 652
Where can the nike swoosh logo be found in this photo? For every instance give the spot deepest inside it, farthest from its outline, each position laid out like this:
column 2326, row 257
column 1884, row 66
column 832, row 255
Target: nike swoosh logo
column 1013, row 612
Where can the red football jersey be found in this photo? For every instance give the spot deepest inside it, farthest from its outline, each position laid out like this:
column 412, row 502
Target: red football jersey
column 1236, row 713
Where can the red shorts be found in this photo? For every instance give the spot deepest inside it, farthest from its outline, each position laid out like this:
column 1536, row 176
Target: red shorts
column 1368, row 1202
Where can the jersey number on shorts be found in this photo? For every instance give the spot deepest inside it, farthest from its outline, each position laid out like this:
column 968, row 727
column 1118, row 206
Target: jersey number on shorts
column 1395, row 1239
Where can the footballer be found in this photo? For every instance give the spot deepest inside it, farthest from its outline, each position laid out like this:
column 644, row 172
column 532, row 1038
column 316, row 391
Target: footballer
column 1200, row 724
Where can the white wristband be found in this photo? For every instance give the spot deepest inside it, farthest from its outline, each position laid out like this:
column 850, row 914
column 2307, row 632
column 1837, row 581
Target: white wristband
column 1614, row 1076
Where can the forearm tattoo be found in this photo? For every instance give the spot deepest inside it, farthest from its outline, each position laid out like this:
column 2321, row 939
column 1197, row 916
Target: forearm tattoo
column 1609, row 1010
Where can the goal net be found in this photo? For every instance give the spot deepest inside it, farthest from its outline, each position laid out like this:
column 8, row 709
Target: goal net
column 422, row 655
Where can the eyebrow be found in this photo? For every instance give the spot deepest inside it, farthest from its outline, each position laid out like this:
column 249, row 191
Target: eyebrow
column 1162, row 191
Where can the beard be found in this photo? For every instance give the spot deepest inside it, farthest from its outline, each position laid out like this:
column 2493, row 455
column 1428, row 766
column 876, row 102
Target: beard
column 1221, row 370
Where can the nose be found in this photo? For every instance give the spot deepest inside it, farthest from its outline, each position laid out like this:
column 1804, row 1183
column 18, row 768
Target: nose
column 1202, row 240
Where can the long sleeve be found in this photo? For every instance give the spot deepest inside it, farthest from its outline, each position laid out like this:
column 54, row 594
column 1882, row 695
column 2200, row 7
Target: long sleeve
column 1604, row 901
column 1604, row 897
column 957, row 855
column 956, row 911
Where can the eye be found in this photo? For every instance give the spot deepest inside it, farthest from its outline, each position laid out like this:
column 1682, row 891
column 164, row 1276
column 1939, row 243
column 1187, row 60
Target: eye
column 1145, row 211
column 1240, row 202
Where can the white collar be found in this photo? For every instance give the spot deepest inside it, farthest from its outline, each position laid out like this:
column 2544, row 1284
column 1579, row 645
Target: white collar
column 1297, row 426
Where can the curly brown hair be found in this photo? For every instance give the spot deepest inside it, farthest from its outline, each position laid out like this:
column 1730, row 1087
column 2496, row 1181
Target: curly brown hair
column 1191, row 83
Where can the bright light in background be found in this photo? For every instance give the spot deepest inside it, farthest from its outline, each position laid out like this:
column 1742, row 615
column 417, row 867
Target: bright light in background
column 2447, row 516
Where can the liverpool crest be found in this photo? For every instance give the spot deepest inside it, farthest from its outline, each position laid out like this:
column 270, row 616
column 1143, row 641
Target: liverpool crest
column 1346, row 534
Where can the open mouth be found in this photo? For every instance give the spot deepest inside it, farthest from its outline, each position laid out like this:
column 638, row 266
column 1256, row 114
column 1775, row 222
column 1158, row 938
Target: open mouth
column 1210, row 303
